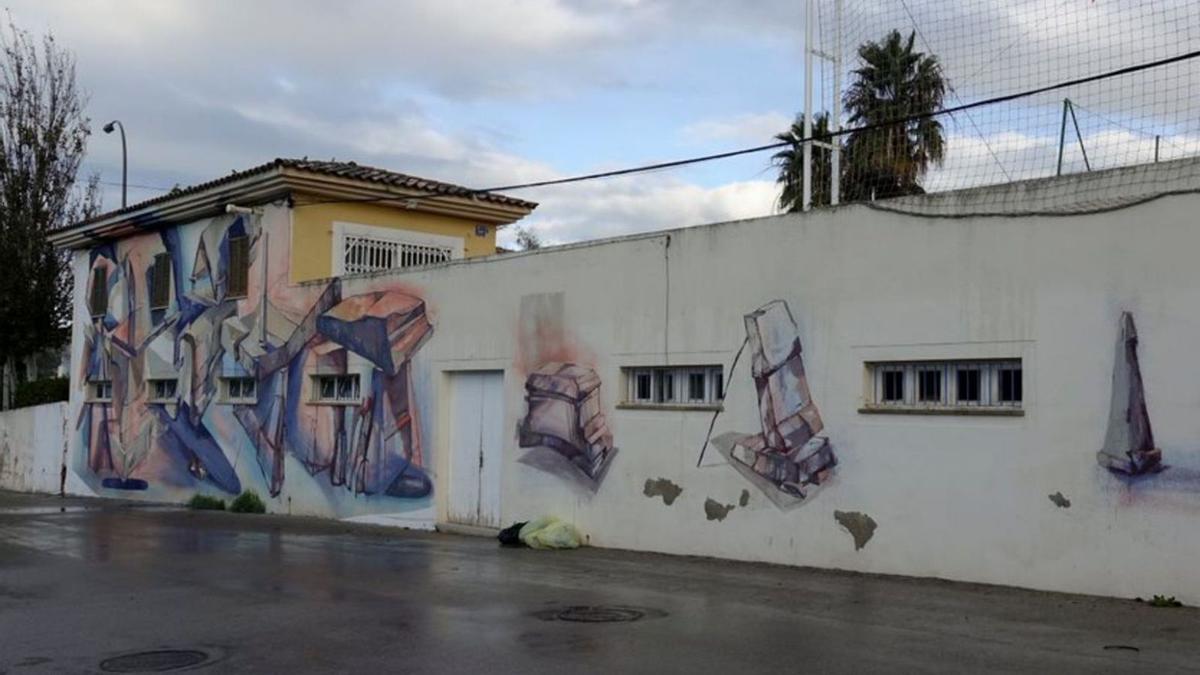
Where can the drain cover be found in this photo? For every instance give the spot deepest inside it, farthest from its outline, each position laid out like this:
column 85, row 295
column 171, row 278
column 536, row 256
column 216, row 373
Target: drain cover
column 153, row 662
column 599, row 614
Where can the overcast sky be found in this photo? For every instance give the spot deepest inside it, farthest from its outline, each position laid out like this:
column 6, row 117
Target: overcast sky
column 492, row 92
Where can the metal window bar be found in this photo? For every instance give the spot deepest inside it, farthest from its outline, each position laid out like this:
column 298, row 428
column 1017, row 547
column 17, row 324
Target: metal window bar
column 369, row 254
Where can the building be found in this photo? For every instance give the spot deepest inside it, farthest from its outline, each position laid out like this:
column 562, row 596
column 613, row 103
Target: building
column 993, row 385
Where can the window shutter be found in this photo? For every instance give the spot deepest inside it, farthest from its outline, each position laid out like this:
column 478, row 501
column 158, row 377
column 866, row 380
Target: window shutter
column 160, row 280
column 239, row 267
column 99, row 299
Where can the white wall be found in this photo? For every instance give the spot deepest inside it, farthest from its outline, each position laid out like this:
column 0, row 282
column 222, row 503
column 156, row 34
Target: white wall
column 31, row 448
column 963, row 498
column 956, row 497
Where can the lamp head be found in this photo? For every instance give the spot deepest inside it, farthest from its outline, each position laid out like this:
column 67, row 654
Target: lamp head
column 108, row 128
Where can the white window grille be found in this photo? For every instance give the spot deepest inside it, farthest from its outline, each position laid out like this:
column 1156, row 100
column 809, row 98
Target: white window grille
column 162, row 390
column 936, row 386
column 681, row 386
column 240, row 390
column 364, row 248
column 101, row 390
column 369, row 254
column 336, row 389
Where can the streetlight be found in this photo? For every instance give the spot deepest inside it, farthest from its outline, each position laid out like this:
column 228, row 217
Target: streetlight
column 108, row 129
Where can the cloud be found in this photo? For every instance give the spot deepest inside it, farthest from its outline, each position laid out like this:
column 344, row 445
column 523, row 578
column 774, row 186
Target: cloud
column 626, row 206
column 749, row 128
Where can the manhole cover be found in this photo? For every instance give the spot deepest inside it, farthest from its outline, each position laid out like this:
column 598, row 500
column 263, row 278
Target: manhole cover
column 599, row 614
column 153, row 662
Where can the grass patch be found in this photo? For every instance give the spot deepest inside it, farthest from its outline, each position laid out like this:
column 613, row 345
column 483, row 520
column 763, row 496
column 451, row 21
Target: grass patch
column 248, row 502
column 206, row 503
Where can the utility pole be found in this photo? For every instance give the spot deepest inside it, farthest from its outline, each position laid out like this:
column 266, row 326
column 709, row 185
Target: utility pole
column 835, row 116
column 806, row 177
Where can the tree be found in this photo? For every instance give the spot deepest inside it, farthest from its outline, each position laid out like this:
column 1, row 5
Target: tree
column 790, row 162
column 893, row 81
column 527, row 239
column 43, row 136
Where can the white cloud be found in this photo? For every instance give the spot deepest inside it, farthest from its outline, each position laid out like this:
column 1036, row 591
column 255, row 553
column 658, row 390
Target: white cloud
column 629, row 205
column 750, row 128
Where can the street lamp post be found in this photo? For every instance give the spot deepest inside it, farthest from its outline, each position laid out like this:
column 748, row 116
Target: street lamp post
column 108, row 129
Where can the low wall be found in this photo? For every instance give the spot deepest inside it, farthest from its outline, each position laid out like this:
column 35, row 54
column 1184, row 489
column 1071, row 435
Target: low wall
column 31, row 448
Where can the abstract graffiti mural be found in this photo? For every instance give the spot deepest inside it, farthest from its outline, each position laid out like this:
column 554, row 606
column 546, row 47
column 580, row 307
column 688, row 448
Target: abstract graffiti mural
column 787, row 456
column 564, row 415
column 564, row 427
column 1129, row 441
column 185, row 383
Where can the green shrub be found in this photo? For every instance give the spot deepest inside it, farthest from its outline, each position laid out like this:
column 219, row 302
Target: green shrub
column 206, row 503
column 248, row 502
column 37, row 392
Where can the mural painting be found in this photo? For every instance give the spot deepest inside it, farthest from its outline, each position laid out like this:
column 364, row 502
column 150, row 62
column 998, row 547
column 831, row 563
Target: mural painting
column 564, row 427
column 222, row 368
column 787, row 457
column 1129, row 442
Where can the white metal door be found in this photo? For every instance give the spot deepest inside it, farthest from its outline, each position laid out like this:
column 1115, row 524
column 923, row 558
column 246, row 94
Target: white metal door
column 476, row 441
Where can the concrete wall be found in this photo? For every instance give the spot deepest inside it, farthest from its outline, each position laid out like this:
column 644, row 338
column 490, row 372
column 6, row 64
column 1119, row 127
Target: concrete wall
column 959, row 497
column 32, row 448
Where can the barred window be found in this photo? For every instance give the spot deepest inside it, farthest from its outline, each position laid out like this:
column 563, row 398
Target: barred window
column 336, row 389
column 936, row 386
column 160, row 282
column 239, row 267
column 98, row 302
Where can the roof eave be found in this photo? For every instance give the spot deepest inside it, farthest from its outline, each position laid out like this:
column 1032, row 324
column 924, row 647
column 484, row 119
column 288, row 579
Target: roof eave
column 250, row 190
column 338, row 190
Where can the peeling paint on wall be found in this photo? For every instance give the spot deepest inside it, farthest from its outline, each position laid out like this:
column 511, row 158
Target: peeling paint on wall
column 859, row 525
column 1060, row 501
column 662, row 487
column 714, row 510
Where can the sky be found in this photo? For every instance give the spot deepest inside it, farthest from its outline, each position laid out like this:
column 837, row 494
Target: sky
column 495, row 92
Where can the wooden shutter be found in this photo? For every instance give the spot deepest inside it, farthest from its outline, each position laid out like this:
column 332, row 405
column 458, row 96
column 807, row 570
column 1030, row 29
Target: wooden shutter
column 239, row 267
column 160, row 282
column 99, row 299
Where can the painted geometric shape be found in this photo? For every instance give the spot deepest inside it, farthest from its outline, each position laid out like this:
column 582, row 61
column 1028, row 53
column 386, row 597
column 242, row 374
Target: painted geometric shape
column 384, row 328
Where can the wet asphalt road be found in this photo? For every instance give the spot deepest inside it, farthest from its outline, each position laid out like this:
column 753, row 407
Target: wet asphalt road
column 266, row 594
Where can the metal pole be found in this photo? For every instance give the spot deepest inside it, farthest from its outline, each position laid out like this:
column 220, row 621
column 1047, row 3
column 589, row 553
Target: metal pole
column 1157, row 138
column 124, row 166
column 1087, row 165
column 806, row 191
column 1062, row 136
column 835, row 160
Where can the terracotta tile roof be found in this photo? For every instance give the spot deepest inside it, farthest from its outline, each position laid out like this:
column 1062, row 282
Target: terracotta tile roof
column 348, row 170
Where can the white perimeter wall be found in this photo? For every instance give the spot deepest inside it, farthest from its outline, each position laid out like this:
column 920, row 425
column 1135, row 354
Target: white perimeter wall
column 31, row 448
column 961, row 498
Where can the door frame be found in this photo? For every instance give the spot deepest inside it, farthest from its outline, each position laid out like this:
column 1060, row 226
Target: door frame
column 445, row 420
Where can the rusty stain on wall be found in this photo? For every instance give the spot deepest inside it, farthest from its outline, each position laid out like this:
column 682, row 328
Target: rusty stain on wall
column 662, row 487
column 859, row 525
column 714, row 510
column 1060, row 501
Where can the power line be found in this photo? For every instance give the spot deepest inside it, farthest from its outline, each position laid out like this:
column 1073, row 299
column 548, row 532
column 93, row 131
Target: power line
column 1127, row 70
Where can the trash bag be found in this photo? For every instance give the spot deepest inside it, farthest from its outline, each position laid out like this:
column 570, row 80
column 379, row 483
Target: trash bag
column 549, row 532
column 511, row 535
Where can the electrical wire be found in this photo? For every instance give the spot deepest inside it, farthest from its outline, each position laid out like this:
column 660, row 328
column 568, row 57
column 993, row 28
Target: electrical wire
column 467, row 192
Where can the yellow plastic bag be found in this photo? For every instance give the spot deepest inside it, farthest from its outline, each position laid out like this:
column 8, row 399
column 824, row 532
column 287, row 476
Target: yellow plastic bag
column 549, row 532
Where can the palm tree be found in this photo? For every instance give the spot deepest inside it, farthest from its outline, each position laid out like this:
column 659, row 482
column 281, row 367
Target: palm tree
column 790, row 162
column 894, row 81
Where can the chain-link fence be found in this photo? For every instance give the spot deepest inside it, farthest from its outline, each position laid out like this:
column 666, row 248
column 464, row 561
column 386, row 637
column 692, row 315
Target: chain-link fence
column 912, row 59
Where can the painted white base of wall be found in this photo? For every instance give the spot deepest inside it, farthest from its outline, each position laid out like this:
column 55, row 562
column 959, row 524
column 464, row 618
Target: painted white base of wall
column 31, row 448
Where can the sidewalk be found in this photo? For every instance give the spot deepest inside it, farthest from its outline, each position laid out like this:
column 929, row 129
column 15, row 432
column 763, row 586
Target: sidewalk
column 262, row 594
